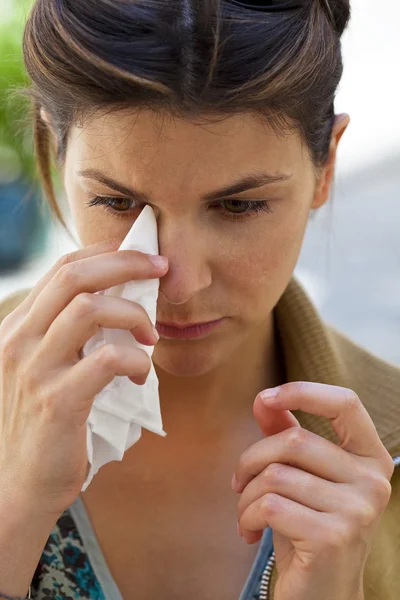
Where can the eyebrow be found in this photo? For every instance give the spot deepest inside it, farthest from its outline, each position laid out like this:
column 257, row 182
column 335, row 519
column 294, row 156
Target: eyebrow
column 252, row 180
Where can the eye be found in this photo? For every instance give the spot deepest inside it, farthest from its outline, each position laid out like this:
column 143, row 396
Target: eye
column 245, row 208
column 233, row 209
column 118, row 207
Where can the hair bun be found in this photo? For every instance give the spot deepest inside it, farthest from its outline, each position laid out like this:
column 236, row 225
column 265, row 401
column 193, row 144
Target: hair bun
column 338, row 12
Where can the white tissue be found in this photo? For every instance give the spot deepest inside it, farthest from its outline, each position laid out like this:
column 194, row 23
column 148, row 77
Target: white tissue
column 122, row 408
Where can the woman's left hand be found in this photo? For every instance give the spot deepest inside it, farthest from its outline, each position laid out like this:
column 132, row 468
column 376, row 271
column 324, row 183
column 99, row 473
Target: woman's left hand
column 323, row 501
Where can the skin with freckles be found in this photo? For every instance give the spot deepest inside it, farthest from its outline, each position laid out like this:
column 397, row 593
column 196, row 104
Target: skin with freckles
column 219, row 266
column 225, row 260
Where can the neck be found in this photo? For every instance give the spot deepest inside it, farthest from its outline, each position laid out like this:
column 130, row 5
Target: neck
column 217, row 399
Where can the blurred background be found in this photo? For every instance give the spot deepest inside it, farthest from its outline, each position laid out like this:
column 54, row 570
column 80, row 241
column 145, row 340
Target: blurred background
column 350, row 261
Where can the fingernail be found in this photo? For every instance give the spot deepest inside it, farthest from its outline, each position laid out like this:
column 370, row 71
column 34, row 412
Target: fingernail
column 234, row 483
column 238, row 530
column 156, row 334
column 267, row 396
column 158, row 261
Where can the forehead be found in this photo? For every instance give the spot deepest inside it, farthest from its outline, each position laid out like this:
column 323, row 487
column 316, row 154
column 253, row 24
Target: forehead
column 123, row 142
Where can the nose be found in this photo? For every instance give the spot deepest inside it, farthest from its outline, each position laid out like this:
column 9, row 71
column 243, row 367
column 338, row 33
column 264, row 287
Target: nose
column 189, row 267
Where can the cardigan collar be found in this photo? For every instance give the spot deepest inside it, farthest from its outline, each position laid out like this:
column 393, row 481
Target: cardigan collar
column 314, row 351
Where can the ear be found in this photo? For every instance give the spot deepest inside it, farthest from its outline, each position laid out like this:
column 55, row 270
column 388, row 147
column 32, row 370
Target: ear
column 326, row 176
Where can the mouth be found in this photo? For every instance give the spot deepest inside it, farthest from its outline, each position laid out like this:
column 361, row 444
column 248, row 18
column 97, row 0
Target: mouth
column 187, row 331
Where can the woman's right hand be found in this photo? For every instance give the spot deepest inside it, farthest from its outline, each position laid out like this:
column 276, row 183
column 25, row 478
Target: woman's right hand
column 47, row 389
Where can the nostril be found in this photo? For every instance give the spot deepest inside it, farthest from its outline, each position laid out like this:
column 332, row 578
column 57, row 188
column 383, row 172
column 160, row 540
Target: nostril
column 176, row 303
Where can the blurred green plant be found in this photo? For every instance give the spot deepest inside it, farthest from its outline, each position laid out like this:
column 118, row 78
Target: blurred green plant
column 16, row 144
column 24, row 212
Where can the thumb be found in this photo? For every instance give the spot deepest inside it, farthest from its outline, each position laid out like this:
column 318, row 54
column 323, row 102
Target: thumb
column 271, row 420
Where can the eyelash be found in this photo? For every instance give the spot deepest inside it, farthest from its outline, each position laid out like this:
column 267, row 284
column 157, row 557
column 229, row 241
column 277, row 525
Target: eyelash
column 253, row 207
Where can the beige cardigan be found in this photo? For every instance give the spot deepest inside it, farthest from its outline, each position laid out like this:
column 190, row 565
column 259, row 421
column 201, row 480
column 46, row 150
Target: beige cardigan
column 314, row 351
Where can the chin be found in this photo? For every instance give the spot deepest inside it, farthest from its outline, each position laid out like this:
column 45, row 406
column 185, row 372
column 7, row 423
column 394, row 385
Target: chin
column 179, row 360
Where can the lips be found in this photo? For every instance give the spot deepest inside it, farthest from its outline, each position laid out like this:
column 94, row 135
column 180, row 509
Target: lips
column 186, row 325
column 186, row 332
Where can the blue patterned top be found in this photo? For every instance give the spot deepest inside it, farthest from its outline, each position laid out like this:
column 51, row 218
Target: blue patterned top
column 65, row 571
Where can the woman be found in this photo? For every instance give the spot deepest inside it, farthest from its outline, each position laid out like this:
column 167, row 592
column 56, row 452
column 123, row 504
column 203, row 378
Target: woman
column 218, row 114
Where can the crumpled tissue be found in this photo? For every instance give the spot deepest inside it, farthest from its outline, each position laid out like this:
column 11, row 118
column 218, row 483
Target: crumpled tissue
column 122, row 408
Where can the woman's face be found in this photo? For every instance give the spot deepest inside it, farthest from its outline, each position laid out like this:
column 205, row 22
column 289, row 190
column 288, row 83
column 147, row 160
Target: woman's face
column 226, row 258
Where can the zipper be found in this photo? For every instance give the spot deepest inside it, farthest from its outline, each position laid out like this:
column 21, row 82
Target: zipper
column 266, row 578
column 267, row 573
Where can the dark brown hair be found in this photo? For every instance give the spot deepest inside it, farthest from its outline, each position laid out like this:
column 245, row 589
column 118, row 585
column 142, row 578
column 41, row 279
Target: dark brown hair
column 195, row 59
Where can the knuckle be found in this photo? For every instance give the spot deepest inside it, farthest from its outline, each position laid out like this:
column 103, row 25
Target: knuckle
column 270, row 504
column 350, row 400
column 84, row 303
column 275, row 472
column 66, row 259
column 299, row 388
column 108, row 356
column 67, row 275
column 46, row 402
column 10, row 353
column 31, row 381
column 129, row 256
column 129, row 259
column 244, row 460
column 382, row 491
column 366, row 515
column 383, row 487
column 296, row 438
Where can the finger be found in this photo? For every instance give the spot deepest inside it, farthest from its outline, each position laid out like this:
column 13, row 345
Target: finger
column 348, row 416
column 297, row 485
column 300, row 448
column 92, row 250
column 16, row 318
column 77, row 386
column 289, row 518
column 272, row 421
column 82, row 318
column 92, row 274
column 251, row 537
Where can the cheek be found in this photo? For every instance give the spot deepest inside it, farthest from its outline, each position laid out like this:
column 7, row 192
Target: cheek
column 93, row 230
column 259, row 265
column 92, row 224
column 260, row 253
